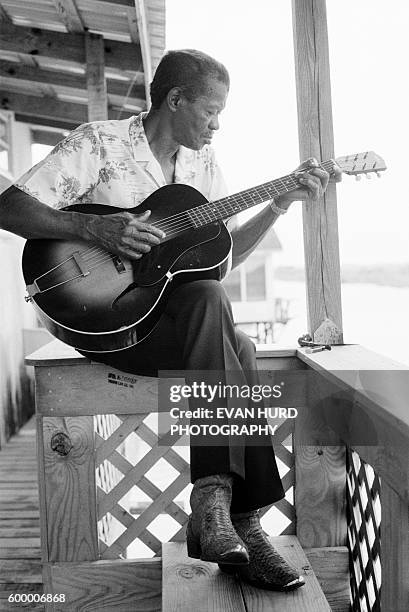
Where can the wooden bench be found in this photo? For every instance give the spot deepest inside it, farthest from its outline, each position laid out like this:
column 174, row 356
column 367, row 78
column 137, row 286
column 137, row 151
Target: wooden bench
column 79, row 462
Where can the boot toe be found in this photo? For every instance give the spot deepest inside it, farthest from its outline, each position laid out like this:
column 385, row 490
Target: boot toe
column 237, row 555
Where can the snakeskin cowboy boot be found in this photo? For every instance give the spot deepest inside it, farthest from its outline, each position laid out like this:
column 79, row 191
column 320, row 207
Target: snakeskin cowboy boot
column 210, row 534
column 267, row 569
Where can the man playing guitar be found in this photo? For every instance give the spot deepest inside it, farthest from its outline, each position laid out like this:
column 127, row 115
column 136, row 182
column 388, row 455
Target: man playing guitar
column 121, row 163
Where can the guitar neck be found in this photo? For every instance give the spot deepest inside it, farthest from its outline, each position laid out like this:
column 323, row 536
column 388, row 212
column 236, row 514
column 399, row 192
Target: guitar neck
column 224, row 208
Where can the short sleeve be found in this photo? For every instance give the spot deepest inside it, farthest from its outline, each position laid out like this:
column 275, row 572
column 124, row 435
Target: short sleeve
column 68, row 172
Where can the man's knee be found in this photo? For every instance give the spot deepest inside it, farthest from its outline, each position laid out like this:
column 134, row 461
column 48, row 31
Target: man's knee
column 207, row 291
column 245, row 345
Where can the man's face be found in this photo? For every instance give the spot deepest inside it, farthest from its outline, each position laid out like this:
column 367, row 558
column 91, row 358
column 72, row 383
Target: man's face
column 195, row 122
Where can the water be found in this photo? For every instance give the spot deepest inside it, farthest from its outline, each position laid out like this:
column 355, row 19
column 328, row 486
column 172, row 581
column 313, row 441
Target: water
column 375, row 316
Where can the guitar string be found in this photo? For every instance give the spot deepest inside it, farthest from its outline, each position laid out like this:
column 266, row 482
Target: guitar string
column 107, row 256
column 175, row 230
column 192, row 214
column 247, row 193
column 176, row 227
column 177, row 224
column 206, row 209
column 95, row 252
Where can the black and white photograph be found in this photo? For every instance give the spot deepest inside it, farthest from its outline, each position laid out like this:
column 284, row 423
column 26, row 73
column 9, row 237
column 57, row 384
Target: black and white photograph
column 204, row 298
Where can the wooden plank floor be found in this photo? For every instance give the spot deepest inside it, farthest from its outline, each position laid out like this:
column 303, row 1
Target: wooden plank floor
column 20, row 564
column 189, row 584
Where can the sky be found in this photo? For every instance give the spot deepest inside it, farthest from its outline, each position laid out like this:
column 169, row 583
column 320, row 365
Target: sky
column 258, row 140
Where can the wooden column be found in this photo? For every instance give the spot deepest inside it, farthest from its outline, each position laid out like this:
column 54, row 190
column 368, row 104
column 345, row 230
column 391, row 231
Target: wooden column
column 316, row 140
column 96, row 82
column 394, row 550
column 145, row 46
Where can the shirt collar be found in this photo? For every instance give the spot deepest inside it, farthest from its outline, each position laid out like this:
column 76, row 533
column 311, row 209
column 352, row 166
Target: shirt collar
column 140, row 145
column 142, row 153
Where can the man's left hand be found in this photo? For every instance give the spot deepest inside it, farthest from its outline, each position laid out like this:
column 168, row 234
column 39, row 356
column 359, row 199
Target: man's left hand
column 313, row 181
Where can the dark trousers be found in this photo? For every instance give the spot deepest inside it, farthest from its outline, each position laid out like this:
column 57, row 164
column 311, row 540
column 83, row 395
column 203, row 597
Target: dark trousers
column 196, row 332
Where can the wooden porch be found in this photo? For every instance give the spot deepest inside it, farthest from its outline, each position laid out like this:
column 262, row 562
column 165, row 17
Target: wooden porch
column 334, row 520
column 161, row 583
column 20, row 551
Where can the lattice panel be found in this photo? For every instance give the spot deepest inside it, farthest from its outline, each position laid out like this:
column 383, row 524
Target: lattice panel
column 133, row 450
column 107, row 476
column 279, row 518
column 364, row 523
column 143, row 487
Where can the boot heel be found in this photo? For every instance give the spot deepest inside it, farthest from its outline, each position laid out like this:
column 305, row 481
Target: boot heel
column 193, row 544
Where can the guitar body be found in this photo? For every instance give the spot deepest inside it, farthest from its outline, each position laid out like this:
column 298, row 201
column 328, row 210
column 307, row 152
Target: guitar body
column 97, row 301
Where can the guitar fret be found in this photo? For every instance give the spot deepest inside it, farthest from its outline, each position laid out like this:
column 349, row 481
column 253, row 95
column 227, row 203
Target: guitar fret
column 233, row 204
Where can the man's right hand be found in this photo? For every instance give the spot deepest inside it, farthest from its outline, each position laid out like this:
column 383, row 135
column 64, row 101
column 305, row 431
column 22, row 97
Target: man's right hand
column 123, row 233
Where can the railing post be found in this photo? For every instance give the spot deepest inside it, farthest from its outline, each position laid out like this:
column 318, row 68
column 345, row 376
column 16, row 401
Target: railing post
column 66, row 474
column 394, row 551
column 315, row 132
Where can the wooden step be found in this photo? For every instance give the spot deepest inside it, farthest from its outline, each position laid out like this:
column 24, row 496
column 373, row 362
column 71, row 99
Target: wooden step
column 190, row 584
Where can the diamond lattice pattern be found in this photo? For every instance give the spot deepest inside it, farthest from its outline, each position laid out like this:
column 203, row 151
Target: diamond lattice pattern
column 143, row 487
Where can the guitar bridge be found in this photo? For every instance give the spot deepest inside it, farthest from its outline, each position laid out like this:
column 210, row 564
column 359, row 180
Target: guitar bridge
column 119, row 264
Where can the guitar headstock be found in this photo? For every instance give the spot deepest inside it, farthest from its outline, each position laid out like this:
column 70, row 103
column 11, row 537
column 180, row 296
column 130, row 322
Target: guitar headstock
column 361, row 163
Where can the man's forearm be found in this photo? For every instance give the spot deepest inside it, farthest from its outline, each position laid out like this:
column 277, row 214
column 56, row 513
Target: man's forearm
column 248, row 236
column 28, row 217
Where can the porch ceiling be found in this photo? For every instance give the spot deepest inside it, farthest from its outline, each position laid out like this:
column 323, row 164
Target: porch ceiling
column 43, row 56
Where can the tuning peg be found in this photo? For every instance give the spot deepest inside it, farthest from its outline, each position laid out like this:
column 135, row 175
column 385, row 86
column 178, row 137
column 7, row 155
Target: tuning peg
column 368, row 176
column 358, row 177
column 379, row 174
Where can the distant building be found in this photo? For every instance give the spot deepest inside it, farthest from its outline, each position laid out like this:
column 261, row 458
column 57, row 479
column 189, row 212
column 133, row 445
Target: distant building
column 250, row 287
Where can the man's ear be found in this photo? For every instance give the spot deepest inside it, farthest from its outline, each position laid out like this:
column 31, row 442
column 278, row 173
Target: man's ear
column 174, row 99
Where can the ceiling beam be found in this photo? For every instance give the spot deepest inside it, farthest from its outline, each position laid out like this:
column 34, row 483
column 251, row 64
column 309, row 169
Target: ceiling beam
column 68, row 11
column 54, row 78
column 145, row 45
column 46, row 137
column 126, row 3
column 68, row 47
column 45, row 123
column 45, row 108
column 96, row 83
column 4, row 16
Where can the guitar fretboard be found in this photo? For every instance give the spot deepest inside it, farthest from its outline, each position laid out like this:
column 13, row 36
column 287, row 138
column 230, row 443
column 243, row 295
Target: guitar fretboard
column 233, row 204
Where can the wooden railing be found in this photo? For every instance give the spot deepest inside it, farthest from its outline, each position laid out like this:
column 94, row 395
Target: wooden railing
column 370, row 416
column 86, row 473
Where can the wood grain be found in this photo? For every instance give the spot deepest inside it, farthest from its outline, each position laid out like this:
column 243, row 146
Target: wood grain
column 121, row 585
column 315, row 134
column 69, row 47
column 70, row 491
column 372, row 417
column 331, row 566
column 93, row 389
column 394, row 551
column 69, row 14
column 23, row 72
column 96, row 83
column 190, row 584
column 20, row 554
column 320, row 476
column 320, row 495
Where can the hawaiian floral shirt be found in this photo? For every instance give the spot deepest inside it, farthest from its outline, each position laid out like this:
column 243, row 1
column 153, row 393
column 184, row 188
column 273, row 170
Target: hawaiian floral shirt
column 110, row 162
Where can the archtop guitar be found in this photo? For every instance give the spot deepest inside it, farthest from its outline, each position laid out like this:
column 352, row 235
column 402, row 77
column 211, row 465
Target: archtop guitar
column 97, row 301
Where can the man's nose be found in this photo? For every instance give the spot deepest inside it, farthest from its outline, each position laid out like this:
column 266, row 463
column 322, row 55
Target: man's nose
column 214, row 123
